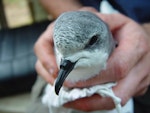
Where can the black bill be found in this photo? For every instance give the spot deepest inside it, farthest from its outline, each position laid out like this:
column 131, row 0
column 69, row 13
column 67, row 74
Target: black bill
column 66, row 67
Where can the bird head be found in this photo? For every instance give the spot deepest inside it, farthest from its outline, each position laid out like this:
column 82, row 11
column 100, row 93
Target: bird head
column 81, row 40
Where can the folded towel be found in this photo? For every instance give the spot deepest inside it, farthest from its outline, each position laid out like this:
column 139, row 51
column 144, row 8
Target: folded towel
column 55, row 102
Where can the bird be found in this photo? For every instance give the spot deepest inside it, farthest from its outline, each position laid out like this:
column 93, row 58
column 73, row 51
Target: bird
column 83, row 44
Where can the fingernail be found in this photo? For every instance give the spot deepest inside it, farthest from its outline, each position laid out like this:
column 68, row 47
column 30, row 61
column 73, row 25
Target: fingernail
column 51, row 71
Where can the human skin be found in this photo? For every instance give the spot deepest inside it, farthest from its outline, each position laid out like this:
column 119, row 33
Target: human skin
column 128, row 65
column 55, row 8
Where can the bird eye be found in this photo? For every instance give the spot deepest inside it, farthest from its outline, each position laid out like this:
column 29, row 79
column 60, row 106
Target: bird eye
column 93, row 40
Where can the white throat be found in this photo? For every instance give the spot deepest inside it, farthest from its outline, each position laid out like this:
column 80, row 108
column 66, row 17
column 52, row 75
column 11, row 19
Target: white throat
column 88, row 65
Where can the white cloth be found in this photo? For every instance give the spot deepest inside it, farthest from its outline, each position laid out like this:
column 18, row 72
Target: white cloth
column 55, row 102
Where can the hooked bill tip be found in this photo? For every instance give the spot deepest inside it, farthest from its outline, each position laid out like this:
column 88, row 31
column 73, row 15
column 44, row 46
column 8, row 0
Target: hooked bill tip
column 65, row 68
column 57, row 89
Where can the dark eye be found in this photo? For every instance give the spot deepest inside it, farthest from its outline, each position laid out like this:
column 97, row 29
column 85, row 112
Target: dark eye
column 93, row 40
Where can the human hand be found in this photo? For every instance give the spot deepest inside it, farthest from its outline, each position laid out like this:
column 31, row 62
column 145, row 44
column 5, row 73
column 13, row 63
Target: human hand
column 128, row 65
column 46, row 61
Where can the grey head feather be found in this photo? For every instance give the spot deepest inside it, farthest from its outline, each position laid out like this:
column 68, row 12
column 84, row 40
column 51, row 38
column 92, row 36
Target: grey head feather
column 73, row 32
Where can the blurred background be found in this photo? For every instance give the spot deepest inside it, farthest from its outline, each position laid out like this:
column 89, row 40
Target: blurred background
column 16, row 13
column 21, row 23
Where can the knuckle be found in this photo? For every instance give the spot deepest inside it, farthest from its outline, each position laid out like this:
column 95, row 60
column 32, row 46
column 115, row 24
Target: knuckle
column 37, row 67
column 121, row 68
column 39, row 43
column 41, row 62
column 45, row 63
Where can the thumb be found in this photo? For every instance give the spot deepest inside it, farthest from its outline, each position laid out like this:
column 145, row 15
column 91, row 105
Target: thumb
column 114, row 21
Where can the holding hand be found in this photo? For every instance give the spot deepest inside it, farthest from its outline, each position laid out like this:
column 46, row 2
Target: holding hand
column 128, row 65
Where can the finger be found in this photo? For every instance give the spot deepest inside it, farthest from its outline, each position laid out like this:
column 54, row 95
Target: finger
column 141, row 92
column 44, row 73
column 135, row 81
column 143, row 86
column 124, row 89
column 95, row 102
column 92, row 103
column 145, row 73
column 44, row 51
column 124, row 57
